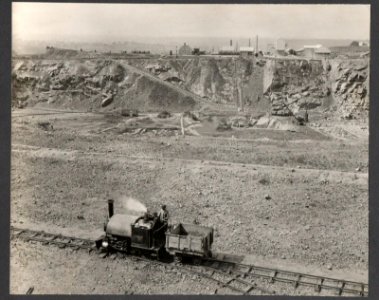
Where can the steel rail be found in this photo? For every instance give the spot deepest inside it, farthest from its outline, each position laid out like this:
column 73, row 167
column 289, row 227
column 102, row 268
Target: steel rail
column 295, row 278
column 63, row 241
column 236, row 272
column 236, row 277
column 55, row 239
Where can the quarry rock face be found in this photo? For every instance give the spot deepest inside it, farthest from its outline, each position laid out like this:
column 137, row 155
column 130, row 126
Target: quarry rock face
column 350, row 86
column 87, row 84
column 204, row 78
column 296, row 85
column 219, row 80
column 280, row 86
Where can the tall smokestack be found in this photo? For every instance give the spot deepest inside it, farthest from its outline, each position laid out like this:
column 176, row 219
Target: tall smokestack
column 256, row 44
column 110, row 208
column 249, row 42
column 231, row 42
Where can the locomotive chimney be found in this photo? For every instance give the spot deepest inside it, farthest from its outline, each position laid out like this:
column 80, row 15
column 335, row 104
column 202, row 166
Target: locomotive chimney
column 110, row 208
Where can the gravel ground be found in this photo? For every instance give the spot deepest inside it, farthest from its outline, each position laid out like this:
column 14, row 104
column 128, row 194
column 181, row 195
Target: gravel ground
column 294, row 213
column 64, row 271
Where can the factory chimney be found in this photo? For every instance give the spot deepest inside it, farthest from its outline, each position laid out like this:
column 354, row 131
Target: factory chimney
column 249, row 42
column 110, row 208
column 256, row 44
column 231, row 42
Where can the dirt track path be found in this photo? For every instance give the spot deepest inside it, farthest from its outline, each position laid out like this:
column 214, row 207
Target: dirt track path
column 66, row 154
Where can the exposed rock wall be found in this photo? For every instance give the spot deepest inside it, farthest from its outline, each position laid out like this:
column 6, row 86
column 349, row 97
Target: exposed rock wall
column 281, row 86
column 217, row 79
column 350, row 86
column 86, row 84
column 293, row 85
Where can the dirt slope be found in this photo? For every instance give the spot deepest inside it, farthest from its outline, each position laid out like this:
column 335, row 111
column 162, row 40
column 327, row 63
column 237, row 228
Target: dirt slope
column 215, row 79
column 84, row 84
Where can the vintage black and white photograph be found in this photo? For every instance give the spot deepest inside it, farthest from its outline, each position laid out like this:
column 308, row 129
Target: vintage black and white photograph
column 190, row 149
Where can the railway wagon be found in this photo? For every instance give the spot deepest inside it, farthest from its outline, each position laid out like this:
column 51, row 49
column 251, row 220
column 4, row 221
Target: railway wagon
column 189, row 241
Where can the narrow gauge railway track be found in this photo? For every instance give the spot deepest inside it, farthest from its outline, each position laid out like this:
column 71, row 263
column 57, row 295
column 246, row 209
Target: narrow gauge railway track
column 52, row 239
column 221, row 278
column 237, row 277
column 319, row 283
column 229, row 279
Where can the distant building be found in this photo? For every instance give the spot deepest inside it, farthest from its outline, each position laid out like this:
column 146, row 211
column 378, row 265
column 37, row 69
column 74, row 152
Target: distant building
column 281, row 52
column 228, row 50
column 197, row 51
column 281, row 45
column 314, row 51
column 140, row 52
column 270, row 48
column 246, row 51
column 363, row 44
column 280, row 48
column 185, row 50
column 322, row 52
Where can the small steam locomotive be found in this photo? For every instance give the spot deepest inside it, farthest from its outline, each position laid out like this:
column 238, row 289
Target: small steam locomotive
column 148, row 235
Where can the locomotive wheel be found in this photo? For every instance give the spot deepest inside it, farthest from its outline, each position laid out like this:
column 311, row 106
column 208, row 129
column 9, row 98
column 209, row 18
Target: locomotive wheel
column 196, row 261
column 98, row 244
column 161, row 254
column 178, row 259
column 121, row 247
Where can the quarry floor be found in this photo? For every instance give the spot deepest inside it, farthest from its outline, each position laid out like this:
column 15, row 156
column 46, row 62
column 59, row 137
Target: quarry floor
column 296, row 199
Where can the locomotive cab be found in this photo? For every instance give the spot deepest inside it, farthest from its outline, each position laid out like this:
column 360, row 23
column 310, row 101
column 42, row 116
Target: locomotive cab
column 148, row 233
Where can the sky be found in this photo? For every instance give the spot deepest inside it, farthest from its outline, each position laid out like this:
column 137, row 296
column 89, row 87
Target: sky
column 115, row 22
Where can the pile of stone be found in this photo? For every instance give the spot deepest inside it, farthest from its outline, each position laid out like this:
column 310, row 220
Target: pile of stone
column 279, row 105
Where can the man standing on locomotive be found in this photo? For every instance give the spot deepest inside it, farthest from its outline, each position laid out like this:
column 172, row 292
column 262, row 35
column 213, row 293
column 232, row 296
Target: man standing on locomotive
column 163, row 214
